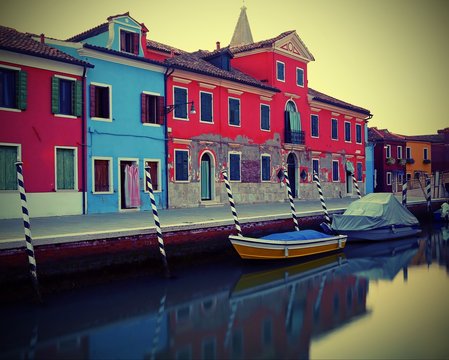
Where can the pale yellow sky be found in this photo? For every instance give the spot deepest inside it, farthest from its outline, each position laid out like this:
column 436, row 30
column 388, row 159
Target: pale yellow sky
column 389, row 56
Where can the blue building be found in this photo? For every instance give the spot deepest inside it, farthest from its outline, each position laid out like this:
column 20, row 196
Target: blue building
column 125, row 112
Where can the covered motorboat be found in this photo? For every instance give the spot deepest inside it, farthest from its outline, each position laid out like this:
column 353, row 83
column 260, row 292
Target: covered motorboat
column 377, row 216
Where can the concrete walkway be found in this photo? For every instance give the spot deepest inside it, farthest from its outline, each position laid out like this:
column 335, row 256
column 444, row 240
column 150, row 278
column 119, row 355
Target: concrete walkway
column 63, row 229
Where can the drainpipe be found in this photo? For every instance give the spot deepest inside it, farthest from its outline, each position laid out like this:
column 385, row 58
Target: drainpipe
column 83, row 142
column 167, row 73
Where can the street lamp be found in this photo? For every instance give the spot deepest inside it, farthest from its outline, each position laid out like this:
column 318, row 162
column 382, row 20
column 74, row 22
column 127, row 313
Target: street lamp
column 170, row 108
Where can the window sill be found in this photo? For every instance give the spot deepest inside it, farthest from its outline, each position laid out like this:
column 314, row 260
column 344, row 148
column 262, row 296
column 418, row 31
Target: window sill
column 151, row 125
column 102, row 192
column 66, row 116
column 101, row 119
column 10, row 109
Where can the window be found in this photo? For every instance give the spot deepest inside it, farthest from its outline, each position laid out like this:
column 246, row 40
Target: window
column 181, row 165
column 314, row 125
column 359, row 171
column 266, row 167
column 388, row 151
column 65, row 169
column 264, row 117
column 280, row 71
column 358, row 133
column 334, row 129
column 426, row 153
column 234, row 112
column 66, row 98
column 206, row 107
column 347, row 131
column 155, row 174
column 8, row 172
column 299, row 77
column 408, row 152
column 316, row 166
column 100, row 96
column 13, row 89
column 180, row 97
column 129, row 42
column 234, row 167
column 335, row 170
column 388, row 178
column 152, row 109
column 102, row 175
column 399, row 150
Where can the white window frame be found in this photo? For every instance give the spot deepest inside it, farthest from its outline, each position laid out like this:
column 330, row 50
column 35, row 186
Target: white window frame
column 318, row 126
column 338, row 170
column 19, row 158
column 269, row 117
column 358, row 126
column 212, row 107
column 240, row 165
column 188, row 166
column 75, row 168
column 277, row 72
column 408, row 152
column 350, row 130
column 159, row 177
column 111, row 184
column 388, row 178
column 336, row 121
column 399, row 151
column 425, row 153
column 359, row 178
column 261, row 167
column 187, row 105
column 297, row 78
column 229, row 112
column 155, row 94
column 109, row 119
column 67, row 116
column 318, row 161
column 387, row 151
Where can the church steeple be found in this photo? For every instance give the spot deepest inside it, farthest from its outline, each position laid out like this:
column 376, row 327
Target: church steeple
column 242, row 32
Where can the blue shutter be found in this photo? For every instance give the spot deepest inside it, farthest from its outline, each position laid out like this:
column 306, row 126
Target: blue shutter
column 266, row 167
column 265, row 117
column 234, row 112
column 182, row 165
column 206, row 107
column 234, row 167
column 181, row 102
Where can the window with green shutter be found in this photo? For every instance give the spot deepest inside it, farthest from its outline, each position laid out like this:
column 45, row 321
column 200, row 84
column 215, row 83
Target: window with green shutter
column 234, row 167
column 181, row 165
column 13, row 89
column 8, row 173
column 66, row 96
column 206, row 107
column 264, row 117
column 65, row 169
column 266, row 168
column 234, row 112
column 180, row 97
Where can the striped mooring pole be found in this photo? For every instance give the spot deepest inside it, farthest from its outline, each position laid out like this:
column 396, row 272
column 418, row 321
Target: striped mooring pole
column 354, row 180
column 404, row 192
column 27, row 228
column 157, row 330
column 290, row 198
column 323, row 203
column 156, row 221
column 231, row 203
column 428, row 195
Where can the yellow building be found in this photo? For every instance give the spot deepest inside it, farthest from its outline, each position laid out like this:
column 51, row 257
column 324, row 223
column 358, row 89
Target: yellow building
column 418, row 156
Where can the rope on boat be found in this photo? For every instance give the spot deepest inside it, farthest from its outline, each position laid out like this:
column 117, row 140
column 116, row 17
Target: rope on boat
column 27, row 229
column 156, row 220
column 404, row 192
column 323, row 203
column 231, row 203
column 354, row 180
column 290, row 198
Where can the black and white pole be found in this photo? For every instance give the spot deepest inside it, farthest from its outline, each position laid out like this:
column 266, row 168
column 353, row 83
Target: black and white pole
column 231, row 203
column 27, row 228
column 230, row 323
column 404, row 192
column 157, row 330
column 323, row 203
column 428, row 195
column 290, row 198
column 156, row 221
column 356, row 185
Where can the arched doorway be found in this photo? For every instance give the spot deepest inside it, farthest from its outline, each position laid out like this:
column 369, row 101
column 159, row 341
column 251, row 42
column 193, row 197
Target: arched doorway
column 292, row 172
column 207, row 177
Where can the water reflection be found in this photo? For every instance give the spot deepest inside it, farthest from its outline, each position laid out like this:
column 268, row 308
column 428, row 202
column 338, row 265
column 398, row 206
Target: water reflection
column 225, row 310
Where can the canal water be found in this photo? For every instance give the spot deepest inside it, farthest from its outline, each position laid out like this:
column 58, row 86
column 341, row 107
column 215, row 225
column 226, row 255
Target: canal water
column 386, row 300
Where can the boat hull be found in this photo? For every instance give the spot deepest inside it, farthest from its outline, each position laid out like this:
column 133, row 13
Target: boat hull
column 262, row 249
column 390, row 233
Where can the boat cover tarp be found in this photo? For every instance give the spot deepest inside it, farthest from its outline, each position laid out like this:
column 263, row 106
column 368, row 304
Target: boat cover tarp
column 296, row 235
column 373, row 211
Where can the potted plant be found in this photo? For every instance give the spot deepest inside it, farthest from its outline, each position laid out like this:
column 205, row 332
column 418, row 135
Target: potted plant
column 402, row 162
column 410, row 161
column 390, row 161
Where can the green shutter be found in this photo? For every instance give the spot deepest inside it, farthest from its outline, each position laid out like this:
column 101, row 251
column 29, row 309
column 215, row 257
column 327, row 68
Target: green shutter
column 8, row 173
column 55, row 95
column 65, row 169
column 22, row 90
column 78, row 102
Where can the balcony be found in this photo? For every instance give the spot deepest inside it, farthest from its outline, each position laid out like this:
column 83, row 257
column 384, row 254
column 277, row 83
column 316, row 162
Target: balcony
column 294, row 137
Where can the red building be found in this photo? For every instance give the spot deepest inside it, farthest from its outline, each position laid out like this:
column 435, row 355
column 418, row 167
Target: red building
column 42, row 121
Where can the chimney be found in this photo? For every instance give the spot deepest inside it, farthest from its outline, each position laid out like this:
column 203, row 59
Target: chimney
column 218, row 45
column 42, row 38
column 172, row 53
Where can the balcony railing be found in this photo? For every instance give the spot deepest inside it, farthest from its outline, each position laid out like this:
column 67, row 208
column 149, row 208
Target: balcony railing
column 294, row 137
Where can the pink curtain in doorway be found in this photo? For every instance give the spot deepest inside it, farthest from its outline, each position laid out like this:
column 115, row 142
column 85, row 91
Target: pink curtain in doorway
column 132, row 191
